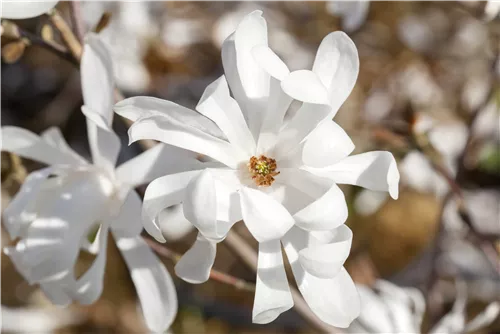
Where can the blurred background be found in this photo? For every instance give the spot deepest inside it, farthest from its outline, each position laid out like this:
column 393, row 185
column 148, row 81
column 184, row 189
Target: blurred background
column 428, row 91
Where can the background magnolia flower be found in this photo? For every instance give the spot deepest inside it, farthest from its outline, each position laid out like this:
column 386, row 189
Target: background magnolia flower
column 353, row 13
column 60, row 207
column 279, row 174
column 14, row 9
column 391, row 309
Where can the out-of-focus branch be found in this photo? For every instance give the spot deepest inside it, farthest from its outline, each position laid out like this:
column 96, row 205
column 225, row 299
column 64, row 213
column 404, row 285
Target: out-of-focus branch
column 214, row 274
column 67, row 34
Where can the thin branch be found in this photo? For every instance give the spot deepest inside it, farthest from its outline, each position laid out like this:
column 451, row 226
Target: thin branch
column 67, row 34
column 214, row 274
column 76, row 18
column 249, row 257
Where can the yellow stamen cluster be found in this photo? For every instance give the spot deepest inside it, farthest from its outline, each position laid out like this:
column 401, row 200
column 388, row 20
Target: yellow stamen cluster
column 263, row 170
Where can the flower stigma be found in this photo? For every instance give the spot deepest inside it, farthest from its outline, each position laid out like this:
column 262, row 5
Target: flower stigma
column 263, row 170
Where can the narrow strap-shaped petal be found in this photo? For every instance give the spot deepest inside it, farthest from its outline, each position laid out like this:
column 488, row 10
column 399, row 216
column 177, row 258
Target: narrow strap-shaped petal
column 337, row 65
column 25, row 10
column 375, row 170
column 249, row 83
column 54, row 137
column 171, row 131
column 97, row 77
column 325, row 259
column 326, row 145
column 264, row 217
column 128, row 223
column 195, row 265
column 334, row 300
column 155, row 162
column 374, row 317
column 173, row 224
column 160, row 194
column 277, row 102
column 153, row 283
column 103, row 141
column 138, row 107
column 485, row 318
column 272, row 292
column 29, row 145
column 220, row 107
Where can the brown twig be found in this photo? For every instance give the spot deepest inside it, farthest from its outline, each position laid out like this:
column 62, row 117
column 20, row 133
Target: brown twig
column 214, row 274
column 67, row 34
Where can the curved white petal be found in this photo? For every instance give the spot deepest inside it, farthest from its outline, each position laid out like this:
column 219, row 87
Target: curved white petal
column 196, row 264
column 96, row 70
column 325, row 259
column 374, row 317
column 334, row 300
column 270, row 62
column 337, row 65
column 55, row 294
column 29, row 145
column 53, row 136
column 326, row 145
column 375, row 170
column 220, row 107
column 327, row 212
column 272, row 292
column 485, row 318
column 154, row 285
column 173, row 224
column 103, row 141
column 128, row 223
column 249, row 83
column 155, row 162
column 305, row 86
column 170, row 131
column 138, row 107
column 160, row 194
column 264, row 217
column 25, row 10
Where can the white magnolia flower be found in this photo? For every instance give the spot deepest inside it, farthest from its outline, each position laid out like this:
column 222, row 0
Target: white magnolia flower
column 391, row 309
column 279, row 174
column 60, row 206
column 15, row 9
column 353, row 13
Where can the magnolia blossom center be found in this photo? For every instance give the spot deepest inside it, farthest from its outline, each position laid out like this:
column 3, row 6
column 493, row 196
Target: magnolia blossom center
column 263, row 170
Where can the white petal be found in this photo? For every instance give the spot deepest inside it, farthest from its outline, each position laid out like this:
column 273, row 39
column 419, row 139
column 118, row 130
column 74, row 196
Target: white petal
column 200, row 204
column 305, row 86
column 334, row 300
column 154, row 285
column 173, row 224
column 128, row 223
column 160, row 194
column 374, row 317
column 325, row 260
column 89, row 287
column 170, row 131
column 195, row 265
column 220, row 107
column 25, row 10
column 249, row 83
column 337, row 65
column 327, row 212
column 272, row 292
column 155, row 162
column 270, row 62
column 54, row 137
column 326, row 145
column 55, row 294
column 138, row 107
column 29, row 145
column 264, row 217
column 97, row 77
column 353, row 13
column 300, row 126
column 375, row 170
column 103, row 141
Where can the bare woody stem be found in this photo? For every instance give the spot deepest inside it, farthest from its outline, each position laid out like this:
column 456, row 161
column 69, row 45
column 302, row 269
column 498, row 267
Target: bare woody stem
column 214, row 274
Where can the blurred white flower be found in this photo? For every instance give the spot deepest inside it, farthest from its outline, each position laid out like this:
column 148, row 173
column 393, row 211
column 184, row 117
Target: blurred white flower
column 279, row 176
column 15, row 9
column 391, row 309
column 59, row 208
column 492, row 10
column 37, row 320
column 353, row 13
